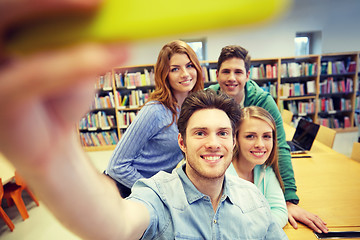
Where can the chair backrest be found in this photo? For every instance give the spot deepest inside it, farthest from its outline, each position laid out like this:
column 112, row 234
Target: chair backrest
column 19, row 180
column 286, row 116
column 326, row 136
column 1, row 191
column 355, row 154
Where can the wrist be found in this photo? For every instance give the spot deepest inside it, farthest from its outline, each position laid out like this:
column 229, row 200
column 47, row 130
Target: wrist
column 293, row 201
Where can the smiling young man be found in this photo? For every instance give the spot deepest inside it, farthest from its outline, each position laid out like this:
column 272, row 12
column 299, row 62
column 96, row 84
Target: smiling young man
column 233, row 73
column 197, row 200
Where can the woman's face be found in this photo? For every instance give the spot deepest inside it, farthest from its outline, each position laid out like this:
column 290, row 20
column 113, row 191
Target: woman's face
column 183, row 75
column 255, row 141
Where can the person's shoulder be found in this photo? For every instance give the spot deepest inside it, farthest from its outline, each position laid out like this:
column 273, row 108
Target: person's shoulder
column 243, row 192
column 252, row 87
column 155, row 109
column 154, row 105
column 237, row 184
column 214, row 87
column 255, row 95
column 160, row 180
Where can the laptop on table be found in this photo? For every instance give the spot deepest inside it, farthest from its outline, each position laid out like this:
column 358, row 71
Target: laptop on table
column 304, row 136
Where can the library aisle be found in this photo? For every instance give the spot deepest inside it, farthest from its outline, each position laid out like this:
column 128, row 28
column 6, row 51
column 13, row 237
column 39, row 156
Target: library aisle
column 41, row 225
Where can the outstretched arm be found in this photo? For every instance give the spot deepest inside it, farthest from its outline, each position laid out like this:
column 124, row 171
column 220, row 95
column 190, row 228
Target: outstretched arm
column 42, row 96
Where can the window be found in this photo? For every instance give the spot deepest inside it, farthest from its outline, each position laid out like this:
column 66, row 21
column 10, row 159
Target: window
column 308, row 43
column 199, row 47
column 302, row 46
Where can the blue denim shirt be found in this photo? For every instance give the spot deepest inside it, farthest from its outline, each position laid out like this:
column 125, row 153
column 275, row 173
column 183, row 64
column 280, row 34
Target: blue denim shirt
column 179, row 211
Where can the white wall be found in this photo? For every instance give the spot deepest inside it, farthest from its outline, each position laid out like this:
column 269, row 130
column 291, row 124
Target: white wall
column 337, row 20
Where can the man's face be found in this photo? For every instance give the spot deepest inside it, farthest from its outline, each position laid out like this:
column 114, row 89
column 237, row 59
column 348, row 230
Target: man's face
column 209, row 144
column 232, row 77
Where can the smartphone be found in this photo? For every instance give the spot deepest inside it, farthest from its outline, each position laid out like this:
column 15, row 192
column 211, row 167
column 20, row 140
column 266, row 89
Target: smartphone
column 124, row 20
column 338, row 235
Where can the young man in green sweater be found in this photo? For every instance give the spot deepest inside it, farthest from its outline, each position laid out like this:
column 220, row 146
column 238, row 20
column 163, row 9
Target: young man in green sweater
column 233, row 73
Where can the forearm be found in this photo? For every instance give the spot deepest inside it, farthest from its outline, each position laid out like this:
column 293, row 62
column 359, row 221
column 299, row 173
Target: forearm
column 85, row 201
column 285, row 164
column 287, row 174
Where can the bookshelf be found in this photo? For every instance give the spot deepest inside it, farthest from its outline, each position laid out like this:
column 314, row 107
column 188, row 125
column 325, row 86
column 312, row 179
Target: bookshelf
column 298, row 85
column 337, row 90
column 265, row 73
column 133, row 86
column 301, row 84
column 209, row 72
column 120, row 95
column 98, row 128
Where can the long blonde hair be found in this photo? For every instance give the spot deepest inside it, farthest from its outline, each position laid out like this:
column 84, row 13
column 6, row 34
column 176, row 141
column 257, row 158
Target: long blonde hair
column 262, row 114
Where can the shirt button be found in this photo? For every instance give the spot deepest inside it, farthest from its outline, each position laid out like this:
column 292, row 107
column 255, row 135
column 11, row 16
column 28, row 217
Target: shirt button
column 215, row 221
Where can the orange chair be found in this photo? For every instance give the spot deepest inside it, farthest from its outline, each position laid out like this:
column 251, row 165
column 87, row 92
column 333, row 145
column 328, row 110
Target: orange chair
column 2, row 212
column 13, row 194
column 20, row 181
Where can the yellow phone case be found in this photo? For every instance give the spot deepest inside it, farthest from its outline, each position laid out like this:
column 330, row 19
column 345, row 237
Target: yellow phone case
column 119, row 20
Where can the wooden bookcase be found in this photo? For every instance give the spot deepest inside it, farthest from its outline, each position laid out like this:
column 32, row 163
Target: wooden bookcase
column 337, row 90
column 127, row 91
column 98, row 128
column 265, row 72
column 296, row 83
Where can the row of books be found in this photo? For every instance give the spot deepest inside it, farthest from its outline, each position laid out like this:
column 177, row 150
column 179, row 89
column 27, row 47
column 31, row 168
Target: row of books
column 135, row 99
column 99, row 120
column 125, row 118
column 294, row 69
column 357, row 103
column 270, row 88
column 297, row 89
column 136, row 79
column 263, row 71
column 212, row 75
column 338, row 86
column 103, row 101
column 327, row 104
column 300, row 108
column 104, row 82
column 93, row 139
column 335, row 122
column 337, row 67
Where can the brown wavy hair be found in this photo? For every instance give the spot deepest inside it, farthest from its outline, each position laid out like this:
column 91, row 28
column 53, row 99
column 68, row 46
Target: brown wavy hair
column 262, row 114
column 163, row 92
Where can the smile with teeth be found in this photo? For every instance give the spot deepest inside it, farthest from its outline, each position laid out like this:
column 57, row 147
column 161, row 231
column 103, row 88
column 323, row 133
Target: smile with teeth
column 212, row 157
column 186, row 81
column 231, row 85
column 258, row 153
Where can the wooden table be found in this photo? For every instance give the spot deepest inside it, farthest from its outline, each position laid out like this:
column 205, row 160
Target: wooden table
column 329, row 186
column 7, row 170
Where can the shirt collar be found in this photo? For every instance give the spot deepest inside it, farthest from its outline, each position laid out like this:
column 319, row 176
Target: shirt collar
column 191, row 192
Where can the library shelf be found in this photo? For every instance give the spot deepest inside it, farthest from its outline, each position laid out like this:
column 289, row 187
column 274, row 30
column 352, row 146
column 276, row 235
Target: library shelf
column 300, row 84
